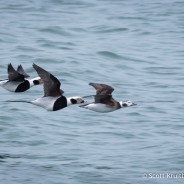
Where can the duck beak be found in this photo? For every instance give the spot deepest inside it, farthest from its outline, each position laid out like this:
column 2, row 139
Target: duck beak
column 84, row 101
column 133, row 104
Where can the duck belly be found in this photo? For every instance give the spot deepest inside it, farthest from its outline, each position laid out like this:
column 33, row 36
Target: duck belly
column 45, row 102
column 98, row 107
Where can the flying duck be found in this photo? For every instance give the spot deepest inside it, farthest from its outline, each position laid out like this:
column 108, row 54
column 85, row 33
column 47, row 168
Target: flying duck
column 103, row 101
column 17, row 80
column 53, row 98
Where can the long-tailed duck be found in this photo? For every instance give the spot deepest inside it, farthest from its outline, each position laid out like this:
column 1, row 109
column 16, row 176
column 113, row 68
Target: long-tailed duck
column 53, row 98
column 17, row 80
column 103, row 101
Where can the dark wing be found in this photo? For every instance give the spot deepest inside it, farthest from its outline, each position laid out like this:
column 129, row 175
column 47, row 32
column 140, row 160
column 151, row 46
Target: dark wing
column 50, row 83
column 103, row 94
column 106, row 99
column 13, row 75
column 21, row 71
column 102, row 89
column 102, row 98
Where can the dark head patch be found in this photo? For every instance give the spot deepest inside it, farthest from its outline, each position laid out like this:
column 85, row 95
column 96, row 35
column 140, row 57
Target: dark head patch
column 73, row 101
column 36, row 82
column 125, row 105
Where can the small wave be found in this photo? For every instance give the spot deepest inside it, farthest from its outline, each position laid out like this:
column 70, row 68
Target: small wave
column 5, row 156
column 104, row 168
column 110, row 54
column 55, row 30
column 112, row 30
column 130, row 18
column 107, row 29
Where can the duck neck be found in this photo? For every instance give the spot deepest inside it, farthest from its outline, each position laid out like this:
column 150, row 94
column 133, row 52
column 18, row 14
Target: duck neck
column 35, row 81
column 69, row 101
column 121, row 104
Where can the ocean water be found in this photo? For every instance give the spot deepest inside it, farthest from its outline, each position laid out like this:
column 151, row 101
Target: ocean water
column 134, row 46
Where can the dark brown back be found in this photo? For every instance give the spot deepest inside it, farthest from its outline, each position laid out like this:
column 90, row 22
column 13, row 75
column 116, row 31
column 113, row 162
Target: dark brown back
column 104, row 94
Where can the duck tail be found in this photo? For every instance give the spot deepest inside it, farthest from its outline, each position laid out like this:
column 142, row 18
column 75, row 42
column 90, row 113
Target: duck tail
column 23, row 101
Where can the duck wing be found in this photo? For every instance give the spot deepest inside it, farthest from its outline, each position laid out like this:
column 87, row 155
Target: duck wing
column 104, row 94
column 21, row 71
column 13, row 75
column 102, row 89
column 50, row 83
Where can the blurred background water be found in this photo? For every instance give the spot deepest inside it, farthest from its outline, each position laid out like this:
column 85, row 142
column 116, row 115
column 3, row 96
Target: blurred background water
column 134, row 46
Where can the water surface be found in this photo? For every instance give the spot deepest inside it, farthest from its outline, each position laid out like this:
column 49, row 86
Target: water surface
column 136, row 47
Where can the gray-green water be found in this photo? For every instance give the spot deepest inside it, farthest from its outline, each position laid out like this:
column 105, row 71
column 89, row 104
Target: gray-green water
column 136, row 47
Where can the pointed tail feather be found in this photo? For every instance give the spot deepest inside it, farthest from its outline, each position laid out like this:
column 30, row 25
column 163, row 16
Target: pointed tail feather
column 88, row 96
column 24, row 101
